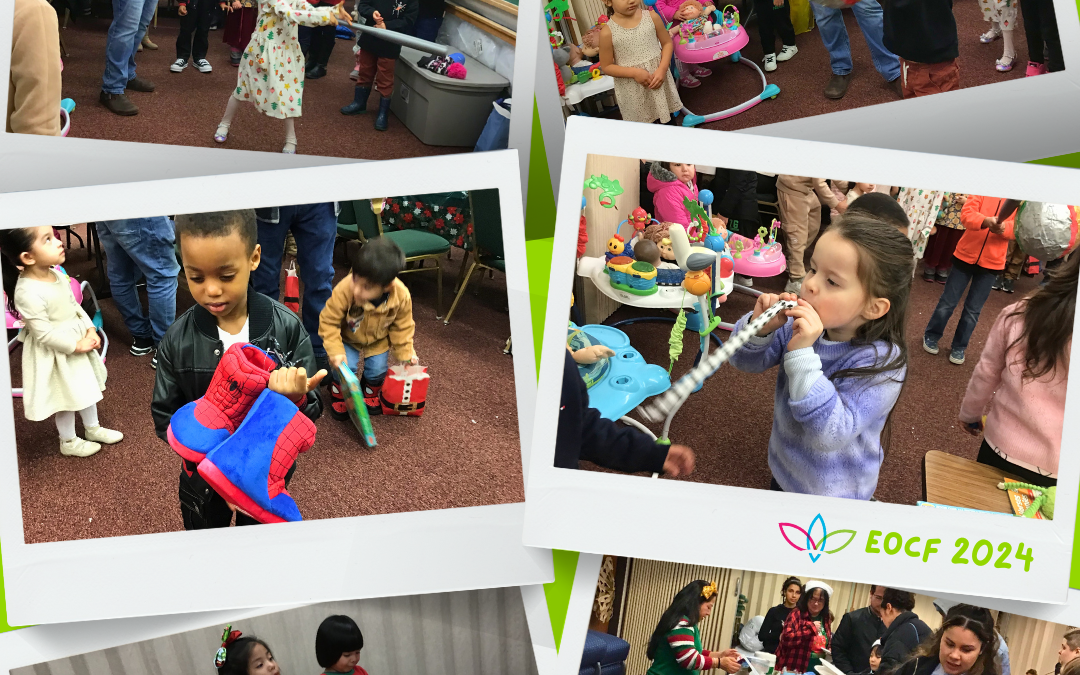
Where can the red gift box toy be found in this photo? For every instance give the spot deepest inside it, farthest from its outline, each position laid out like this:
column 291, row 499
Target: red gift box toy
column 405, row 391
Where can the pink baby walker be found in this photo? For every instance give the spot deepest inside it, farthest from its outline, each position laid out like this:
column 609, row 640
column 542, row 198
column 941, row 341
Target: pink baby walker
column 705, row 41
column 78, row 289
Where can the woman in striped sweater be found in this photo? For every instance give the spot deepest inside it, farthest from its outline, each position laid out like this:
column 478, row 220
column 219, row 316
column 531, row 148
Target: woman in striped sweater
column 675, row 646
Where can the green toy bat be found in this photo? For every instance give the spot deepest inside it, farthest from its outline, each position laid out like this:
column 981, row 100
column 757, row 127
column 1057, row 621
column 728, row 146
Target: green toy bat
column 1044, row 498
column 609, row 189
column 354, row 403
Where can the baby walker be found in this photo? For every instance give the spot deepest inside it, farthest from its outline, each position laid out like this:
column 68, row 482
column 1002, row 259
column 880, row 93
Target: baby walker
column 705, row 41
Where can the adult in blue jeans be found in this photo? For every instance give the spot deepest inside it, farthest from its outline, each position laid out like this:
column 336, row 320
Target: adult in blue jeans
column 830, row 23
column 429, row 20
column 130, row 19
column 143, row 247
column 314, row 229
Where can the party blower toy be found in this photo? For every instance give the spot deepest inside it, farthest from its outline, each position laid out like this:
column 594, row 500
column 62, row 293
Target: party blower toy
column 354, row 403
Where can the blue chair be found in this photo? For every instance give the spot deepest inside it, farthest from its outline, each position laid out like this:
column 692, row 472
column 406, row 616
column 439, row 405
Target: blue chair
column 604, row 654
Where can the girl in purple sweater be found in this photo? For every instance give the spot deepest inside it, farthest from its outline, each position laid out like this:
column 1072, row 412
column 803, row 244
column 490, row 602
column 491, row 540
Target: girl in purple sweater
column 843, row 357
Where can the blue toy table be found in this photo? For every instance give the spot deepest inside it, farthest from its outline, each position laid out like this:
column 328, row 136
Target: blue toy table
column 620, row 383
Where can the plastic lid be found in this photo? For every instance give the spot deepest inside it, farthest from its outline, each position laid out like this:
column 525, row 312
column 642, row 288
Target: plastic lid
column 478, row 76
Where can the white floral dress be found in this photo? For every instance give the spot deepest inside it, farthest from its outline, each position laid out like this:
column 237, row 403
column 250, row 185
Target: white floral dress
column 921, row 207
column 272, row 70
column 1001, row 11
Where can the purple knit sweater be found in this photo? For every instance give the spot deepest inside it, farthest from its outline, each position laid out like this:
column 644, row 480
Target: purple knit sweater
column 826, row 435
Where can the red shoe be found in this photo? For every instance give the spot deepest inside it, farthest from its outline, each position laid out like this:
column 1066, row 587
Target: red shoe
column 372, row 398
column 1034, row 69
column 337, row 403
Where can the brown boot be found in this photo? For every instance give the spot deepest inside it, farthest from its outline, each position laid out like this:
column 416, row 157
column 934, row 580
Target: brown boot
column 837, row 86
column 147, row 43
column 119, row 104
column 139, row 84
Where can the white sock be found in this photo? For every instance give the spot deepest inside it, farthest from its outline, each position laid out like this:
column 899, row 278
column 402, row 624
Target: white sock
column 65, row 424
column 226, row 121
column 290, row 135
column 1010, row 49
column 88, row 415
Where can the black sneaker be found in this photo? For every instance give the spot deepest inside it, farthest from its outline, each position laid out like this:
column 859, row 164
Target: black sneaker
column 142, row 346
column 1007, row 285
column 997, row 284
column 153, row 361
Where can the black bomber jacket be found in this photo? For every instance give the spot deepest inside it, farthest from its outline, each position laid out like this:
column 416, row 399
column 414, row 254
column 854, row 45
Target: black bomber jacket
column 190, row 351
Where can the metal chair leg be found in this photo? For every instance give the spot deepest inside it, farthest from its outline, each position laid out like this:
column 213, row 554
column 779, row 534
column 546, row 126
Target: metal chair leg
column 461, row 292
column 438, row 283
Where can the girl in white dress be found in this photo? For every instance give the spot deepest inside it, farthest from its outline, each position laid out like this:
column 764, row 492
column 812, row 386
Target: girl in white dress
column 272, row 67
column 61, row 371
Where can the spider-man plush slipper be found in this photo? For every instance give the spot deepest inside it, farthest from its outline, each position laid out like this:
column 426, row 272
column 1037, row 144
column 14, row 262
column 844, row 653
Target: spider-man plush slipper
column 242, row 374
column 248, row 468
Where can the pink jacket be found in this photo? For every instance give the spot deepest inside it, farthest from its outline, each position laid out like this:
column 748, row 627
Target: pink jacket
column 667, row 8
column 1025, row 418
column 668, row 194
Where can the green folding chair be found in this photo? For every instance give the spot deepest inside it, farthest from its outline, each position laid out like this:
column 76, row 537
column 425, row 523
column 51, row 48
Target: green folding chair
column 487, row 241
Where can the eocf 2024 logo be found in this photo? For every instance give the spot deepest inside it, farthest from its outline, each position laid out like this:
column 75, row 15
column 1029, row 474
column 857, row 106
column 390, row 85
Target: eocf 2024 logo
column 816, row 541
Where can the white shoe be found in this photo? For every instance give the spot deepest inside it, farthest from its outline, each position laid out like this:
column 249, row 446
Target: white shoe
column 770, row 63
column 744, row 281
column 178, row 65
column 203, row 66
column 77, row 447
column 793, row 286
column 102, row 435
column 787, row 52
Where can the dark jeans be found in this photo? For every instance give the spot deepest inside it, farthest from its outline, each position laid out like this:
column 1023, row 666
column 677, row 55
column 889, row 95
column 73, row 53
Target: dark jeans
column 317, row 43
column 314, row 228
column 204, row 509
column 988, row 457
column 773, row 20
column 960, row 276
column 1041, row 29
column 194, row 37
column 427, row 27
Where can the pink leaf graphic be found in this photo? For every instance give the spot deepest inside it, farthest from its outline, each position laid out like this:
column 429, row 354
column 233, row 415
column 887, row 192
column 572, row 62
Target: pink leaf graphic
column 801, row 531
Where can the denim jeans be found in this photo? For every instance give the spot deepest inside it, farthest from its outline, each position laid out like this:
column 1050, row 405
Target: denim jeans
column 146, row 247
column 374, row 366
column 960, row 276
column 427, row 27
column 835, row 36
column 314, row 228
column 130, row 19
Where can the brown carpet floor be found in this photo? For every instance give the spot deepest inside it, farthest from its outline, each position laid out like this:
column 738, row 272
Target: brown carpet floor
column 729, row 420
column 187, row 107
column 802, row 80
column 464, row 450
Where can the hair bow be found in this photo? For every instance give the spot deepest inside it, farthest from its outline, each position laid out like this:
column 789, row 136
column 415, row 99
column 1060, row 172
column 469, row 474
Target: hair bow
column 228, row 636
column 709, row 590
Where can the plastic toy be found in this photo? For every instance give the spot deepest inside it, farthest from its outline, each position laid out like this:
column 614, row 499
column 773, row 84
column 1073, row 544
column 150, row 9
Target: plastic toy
column 557, row 8
column 291, row 299
column 640, row 219
column 583, row 231
column 353, row 394
column 622, row 382
column 633, row 276
column 668, row 272
column 1046, row 231
column 406, row 40
column 722, row 43
column 609, row 189
column 646, row 250
column 759, row 257
column 405, row 391
column 67, row 106
column 1043, row 502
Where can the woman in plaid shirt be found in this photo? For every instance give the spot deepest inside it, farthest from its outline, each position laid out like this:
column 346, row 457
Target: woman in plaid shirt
column 807, row 630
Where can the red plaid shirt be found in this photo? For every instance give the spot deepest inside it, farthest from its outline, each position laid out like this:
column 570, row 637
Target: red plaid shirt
column 794, row 651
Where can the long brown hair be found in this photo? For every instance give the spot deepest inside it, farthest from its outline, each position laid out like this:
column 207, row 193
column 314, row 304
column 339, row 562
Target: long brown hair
column 975, row 619
column 1048, row 316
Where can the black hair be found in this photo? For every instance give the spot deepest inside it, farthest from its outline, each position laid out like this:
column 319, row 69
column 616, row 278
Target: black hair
column 883, row 206
column 804, row 602
column 788, row 582
column 901, row 600
column 238, row 655
column 380, row 261
column 220, row 224
column 980, row 623
column 687, row 603
column 13, row 243
column 1048, row 322
column 337, row 635
column 876, row 650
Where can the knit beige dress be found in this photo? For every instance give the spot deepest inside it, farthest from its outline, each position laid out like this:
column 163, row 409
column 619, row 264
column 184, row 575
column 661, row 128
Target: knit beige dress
column 55, row 378
column 638, row 48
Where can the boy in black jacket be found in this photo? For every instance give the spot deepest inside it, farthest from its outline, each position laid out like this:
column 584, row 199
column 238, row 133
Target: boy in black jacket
column 377, row 58
column 583, row 434
column 219, row 252
column 923, row 34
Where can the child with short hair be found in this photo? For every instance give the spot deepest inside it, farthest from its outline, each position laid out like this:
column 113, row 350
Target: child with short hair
column 923, row 34
column 875, row 657
column 377, row 58
column 368, row 317
column 194, row 38
column 219, row 251
column 337, row 646
column 883, row 207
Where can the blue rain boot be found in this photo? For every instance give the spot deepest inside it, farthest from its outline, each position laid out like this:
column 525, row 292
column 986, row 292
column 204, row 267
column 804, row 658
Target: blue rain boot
column 248, row 469
column 359, row 104
column 384, row 114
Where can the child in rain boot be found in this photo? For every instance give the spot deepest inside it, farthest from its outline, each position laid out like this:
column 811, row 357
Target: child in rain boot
column 206, row 357
column 376, row 58
column 368, row 316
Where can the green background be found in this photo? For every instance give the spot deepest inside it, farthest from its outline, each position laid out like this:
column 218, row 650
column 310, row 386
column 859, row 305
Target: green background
column 539, row 237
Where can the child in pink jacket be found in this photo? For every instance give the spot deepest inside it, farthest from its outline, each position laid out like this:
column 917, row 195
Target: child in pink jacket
column 1020, row 382
column 670, row 182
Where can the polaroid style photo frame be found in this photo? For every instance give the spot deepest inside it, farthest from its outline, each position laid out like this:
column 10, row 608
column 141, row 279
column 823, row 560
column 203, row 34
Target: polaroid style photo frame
column 596, row 512
column 394, row 553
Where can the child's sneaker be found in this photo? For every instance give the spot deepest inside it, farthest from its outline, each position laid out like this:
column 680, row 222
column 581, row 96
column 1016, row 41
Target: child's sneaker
column 699, row 71
column 203, row 66
column 744, row 281
column 234, row 59
column 372, row 397
column 1034, row 69
column 1007, row 285
column 77, row 447
column 355, row 75
column 942, row 277
column 787, row 52
column 770, row 62
column 689, row 81
column 178, row 65
column 141, row 346
column 102, row 435
column 337, row 403
column 956, row 356
column 997, row 283
column 929, row 275
column 930, row 346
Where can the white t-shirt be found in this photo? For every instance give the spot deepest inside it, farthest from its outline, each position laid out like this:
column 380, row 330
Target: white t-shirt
column 240, row 338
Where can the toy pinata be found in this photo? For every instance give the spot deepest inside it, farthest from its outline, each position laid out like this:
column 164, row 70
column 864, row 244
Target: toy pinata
column 405, row 391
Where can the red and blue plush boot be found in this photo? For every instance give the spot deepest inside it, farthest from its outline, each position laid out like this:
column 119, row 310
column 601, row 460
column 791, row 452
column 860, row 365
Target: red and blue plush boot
column 248, row 469
column 405, row 391
column 372, row 396
column 242, row 374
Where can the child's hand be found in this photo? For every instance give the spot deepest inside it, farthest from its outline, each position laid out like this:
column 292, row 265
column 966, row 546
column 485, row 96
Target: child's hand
column 236, row 4
column 84, row 345
column 292, row 383
column 642, row 76
column 342, row 15
column 92, row 335
column 657, row 78
column 378, row 20
column 679, row 462
column 778, row 3
column 841, row 207
column 765, row 301
column 414, row 361
column 337, row 360
column 589, row 355
column 807, row 327
column 182, row 10
column 972, row 428
column 989, row 222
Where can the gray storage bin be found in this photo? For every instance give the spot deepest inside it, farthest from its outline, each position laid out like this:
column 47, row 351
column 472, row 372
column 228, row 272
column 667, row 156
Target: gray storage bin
column 440, row 110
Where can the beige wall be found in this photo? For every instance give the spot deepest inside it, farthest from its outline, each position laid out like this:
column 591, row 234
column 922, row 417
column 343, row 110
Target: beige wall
column 602, row 223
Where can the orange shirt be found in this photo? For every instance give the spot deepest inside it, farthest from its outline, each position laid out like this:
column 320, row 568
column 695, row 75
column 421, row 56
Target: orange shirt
column 979, row 246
